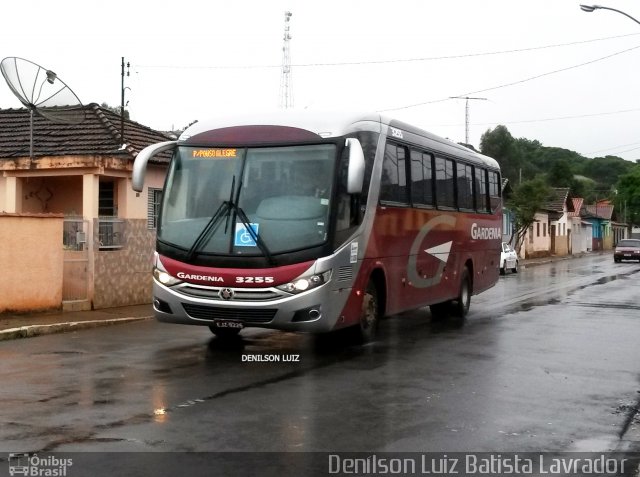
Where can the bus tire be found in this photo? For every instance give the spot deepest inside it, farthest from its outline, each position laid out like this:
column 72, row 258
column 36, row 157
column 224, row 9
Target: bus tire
column 503, row 268
column 225, row 333
column 462, row 303
column 367, row 328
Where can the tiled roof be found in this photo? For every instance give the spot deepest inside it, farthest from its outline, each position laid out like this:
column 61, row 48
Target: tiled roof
column 98, row 134
column 559, row 200
column 602, row 211
column 577, row 205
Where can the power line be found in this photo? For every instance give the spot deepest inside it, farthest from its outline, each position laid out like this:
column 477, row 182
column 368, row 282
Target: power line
column 559, row 118
column 391, row 61
column 513, row 83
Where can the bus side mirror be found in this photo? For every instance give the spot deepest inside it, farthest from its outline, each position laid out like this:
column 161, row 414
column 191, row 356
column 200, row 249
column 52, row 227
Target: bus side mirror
column 355, row 173
column 140, row 164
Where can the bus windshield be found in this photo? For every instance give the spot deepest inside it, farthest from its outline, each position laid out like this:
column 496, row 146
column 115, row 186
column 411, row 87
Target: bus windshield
column 213, row 196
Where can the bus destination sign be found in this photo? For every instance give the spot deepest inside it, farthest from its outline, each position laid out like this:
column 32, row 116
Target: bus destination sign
column 214, row 153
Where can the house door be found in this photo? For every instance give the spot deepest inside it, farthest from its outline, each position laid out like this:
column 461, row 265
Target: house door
column 552, row 232
column 75, row 274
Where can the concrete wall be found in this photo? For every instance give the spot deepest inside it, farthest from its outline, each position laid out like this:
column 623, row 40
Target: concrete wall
column 123, row 277
column 538, row 244
column 32, row 261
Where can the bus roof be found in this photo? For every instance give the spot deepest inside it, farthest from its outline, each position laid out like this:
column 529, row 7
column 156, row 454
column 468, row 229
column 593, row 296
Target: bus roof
column 328, row 124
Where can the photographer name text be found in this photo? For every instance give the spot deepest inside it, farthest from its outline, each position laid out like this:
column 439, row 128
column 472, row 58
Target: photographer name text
column 470, row 464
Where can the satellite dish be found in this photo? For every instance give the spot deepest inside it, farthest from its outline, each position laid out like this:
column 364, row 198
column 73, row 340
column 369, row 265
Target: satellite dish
column 41, row 91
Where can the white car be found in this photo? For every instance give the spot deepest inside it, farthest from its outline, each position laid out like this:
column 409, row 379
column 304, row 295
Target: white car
column 508, row 259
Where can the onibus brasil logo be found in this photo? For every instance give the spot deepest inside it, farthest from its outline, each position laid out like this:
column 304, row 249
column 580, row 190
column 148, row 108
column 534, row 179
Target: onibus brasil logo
column 32, row 465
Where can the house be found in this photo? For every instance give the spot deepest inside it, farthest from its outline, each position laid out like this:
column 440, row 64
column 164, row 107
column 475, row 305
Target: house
column 599, row 215
column 581, row 230
column 550, row 232
column 83, row 171
column 559, row 207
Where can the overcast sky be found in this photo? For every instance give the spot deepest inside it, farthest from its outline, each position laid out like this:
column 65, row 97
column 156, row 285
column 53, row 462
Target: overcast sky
column 192, row 59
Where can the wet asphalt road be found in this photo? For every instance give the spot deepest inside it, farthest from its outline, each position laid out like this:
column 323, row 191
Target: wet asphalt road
column 549, row 359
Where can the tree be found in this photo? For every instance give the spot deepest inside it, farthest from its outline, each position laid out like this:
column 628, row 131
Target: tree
column 527, row 198
column 628, row 196
column 500, row 145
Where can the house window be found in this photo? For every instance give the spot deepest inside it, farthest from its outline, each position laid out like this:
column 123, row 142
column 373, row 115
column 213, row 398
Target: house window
column 107, row 200
column 544, row 230
column 537, row 229
column 153, row 207
column 531, row 234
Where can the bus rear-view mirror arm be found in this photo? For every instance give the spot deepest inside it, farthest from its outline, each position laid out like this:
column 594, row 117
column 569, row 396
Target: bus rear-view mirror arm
column 355, row 173
column 140, row 164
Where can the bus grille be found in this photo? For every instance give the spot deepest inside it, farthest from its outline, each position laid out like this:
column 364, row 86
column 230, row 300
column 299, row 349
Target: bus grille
column 201, row 312
column 240, row 294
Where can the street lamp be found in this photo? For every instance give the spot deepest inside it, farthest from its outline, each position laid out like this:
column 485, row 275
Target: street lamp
column 591, row 8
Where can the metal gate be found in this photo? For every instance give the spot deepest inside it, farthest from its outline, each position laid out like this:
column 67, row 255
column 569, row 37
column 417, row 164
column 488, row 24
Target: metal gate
column 75, row 278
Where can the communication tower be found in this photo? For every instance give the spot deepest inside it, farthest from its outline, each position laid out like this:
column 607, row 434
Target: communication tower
column 286, row 86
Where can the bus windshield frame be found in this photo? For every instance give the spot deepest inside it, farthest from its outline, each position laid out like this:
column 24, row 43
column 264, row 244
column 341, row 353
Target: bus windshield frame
column 248, row 201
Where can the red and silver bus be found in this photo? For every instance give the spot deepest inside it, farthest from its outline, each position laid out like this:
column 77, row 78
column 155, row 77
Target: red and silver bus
column 312, row 222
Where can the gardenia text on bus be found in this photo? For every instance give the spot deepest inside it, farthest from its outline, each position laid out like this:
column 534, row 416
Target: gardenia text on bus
column 485, row 233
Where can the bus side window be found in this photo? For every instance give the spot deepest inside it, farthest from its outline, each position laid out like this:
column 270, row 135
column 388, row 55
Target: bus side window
column 393, row 185
column 465, row 186
column 494, row 190
column 445, row 187
column 481, row 192
column 421, row 178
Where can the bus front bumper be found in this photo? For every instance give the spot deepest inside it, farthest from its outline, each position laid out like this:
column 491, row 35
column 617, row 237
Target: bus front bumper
column 315, row 311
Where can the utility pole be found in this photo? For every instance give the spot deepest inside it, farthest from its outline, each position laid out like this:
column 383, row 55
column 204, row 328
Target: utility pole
column 286, row 87
column 122, row 101
column 466, row 114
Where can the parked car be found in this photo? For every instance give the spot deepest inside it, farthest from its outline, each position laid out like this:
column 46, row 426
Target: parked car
column 627, row 249
column 508, row 259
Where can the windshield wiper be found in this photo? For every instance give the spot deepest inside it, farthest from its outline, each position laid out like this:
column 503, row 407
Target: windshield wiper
column 222, row 211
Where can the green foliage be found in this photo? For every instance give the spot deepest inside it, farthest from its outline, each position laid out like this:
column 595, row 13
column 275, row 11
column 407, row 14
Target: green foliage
column 527, row 198
column 500, row 145
column 627, row 200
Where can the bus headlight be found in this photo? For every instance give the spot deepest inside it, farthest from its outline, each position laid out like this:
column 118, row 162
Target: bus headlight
column 302, row 284
column 164, row 278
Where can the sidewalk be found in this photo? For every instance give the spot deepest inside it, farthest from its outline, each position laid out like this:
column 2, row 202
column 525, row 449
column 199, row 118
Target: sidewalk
column 26, row 325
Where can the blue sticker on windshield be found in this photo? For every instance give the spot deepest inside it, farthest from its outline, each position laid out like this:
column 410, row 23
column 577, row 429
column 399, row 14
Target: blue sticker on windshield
column 243, row 237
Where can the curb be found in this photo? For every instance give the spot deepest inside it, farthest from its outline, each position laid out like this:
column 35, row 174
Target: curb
column 31, row 331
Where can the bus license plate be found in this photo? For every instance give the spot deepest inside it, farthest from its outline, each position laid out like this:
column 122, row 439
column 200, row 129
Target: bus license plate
column 219, row 323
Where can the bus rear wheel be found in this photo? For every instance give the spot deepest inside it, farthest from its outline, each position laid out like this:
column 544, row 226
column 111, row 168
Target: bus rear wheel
column 462, row 303
column 367, row 328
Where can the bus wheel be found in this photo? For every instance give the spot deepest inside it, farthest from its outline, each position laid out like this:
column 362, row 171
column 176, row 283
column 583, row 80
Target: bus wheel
column 224, row 333
column 369, row 316
column 462, row 303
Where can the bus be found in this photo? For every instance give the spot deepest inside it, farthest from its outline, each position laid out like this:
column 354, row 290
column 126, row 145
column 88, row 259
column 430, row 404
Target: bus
column 313, row 222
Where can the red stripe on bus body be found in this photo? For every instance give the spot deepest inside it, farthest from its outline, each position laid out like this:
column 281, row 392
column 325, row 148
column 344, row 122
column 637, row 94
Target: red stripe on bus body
column 234, row 277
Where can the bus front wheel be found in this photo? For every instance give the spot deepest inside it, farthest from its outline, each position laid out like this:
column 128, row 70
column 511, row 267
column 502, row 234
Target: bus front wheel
column 367, row 327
